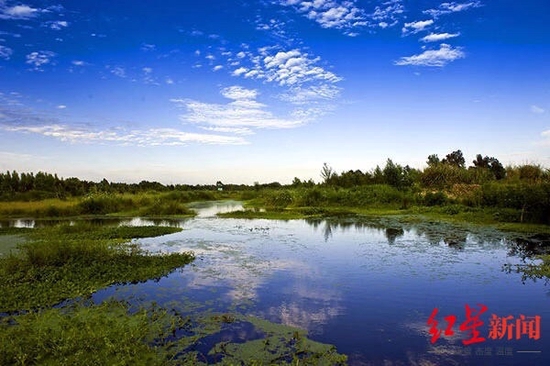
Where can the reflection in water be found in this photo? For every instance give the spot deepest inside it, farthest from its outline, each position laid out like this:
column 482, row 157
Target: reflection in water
column 369, row 292
column 366, row 285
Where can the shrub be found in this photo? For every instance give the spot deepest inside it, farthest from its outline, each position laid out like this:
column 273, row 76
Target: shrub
column 435, row 198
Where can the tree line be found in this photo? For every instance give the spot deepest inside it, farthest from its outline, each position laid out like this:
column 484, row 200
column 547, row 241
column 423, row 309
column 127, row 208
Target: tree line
column 439, row 174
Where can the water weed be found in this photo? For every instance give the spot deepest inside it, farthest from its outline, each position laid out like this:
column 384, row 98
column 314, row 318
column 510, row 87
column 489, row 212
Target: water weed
column 66, row 262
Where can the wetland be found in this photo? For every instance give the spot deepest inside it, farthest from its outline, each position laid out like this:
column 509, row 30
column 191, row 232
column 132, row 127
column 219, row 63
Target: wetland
column 355, row 290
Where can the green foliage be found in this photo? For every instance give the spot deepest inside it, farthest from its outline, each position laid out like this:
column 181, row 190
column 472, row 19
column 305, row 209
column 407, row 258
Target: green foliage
column 65, row 262
column 434, row 199
column 455, row 159
column 442, row 176
column 163, row 208
column 105, row 334
column 278, row 199
column 101, row 204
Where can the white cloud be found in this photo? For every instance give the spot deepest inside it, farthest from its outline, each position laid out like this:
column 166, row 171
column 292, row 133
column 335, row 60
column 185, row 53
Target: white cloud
column 240, row 71
column 287, row 68
column 537, row 110
column 58, row 25
column 230, row 130
column 61, row 106
column 239, row 93
column 39, row 59
column 5, row 52
column 388, row 13
column 151, row 137
column 79, row 63
column 18, row 12
column 117, row 71
column 244, row 111
column 217, row 68
column 148, row 47
column 16, row 118
column 435, row 58
column 342, row 15
column 438, row 37
column 415, row 27
column 307, row 95
column 453, row 7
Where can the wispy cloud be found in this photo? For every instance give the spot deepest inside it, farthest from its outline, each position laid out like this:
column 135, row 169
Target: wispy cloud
column 79, row 63
column 537, row 110
column 16, row 118
column 452, row 7
column 275, row 27
column 146, row 47
column 341, row 15
column 38, row 59
column 57, row 25
column 307, row 95
column 415, row 27
column 117, row 71
column 18, row 12
column 150, row 137
column 5, row 52
column 387, row 14
column 438, row 37
column 434, row 58
column 243, row 111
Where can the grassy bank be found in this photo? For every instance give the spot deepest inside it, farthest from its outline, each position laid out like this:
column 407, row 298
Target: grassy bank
column 151, row 204
column 473, row 205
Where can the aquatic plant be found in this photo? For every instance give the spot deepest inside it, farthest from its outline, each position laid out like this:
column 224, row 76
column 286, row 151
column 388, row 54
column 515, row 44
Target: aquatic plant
column 66, row 262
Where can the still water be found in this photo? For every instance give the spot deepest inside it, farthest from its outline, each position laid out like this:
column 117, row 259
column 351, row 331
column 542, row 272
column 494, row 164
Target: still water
column 369, row 288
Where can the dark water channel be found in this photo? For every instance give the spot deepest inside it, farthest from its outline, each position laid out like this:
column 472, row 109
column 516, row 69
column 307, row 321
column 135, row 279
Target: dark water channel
column 368, row 287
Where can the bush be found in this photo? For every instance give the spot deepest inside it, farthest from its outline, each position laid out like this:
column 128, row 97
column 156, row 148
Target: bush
column 434, row 199
column 102, row 204
column 164, row 208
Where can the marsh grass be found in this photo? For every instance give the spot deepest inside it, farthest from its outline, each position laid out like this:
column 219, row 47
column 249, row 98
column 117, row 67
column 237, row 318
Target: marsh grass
column 106, row 334
column 45, row 208
column 66, row 262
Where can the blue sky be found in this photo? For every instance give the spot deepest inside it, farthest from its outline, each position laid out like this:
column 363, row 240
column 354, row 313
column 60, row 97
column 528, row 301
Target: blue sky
column 245, row 91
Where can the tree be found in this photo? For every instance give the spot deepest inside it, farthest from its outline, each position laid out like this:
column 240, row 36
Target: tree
column 455, row 159
column 492, row 164
column 377, row 176
column 296, row 182
column 393, row 173
column 327, row 173
column 433, row 160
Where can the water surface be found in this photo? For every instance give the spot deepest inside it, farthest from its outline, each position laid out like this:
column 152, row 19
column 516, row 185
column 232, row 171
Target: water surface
column 368, row 288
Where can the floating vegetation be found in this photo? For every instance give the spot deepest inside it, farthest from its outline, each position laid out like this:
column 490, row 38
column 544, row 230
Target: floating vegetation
column 70, row 261
column 114, row 333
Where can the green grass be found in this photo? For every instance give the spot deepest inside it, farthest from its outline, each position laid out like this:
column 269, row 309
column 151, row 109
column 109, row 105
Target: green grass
column 106, row 334
column 65, row 262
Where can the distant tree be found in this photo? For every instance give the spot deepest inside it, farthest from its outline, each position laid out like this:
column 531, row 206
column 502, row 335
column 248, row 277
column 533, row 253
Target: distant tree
column 296, row 182
column 492, row 164
column 456, row 158
column 377, row 175
column 433, row 160
column 393, row 173
column 327, row 173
